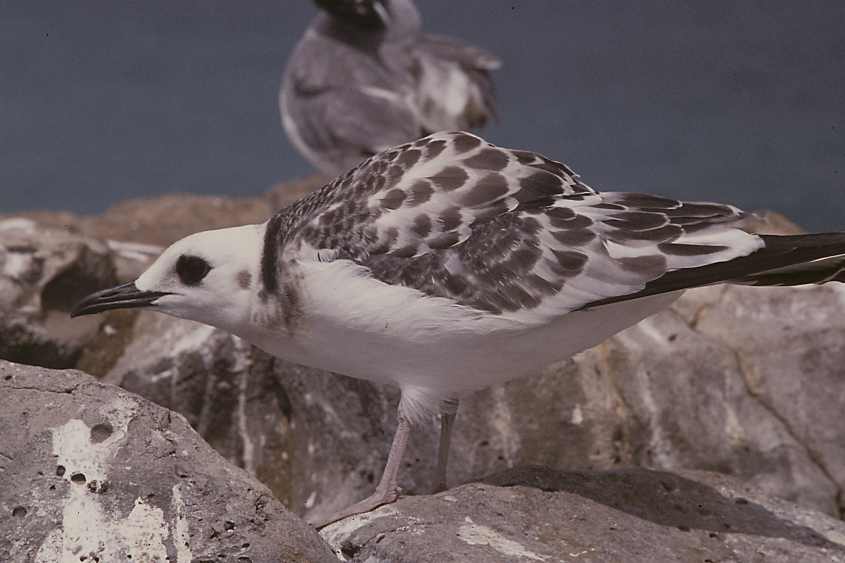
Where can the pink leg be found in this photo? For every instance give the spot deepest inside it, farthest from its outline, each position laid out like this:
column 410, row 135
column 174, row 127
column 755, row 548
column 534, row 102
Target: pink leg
column 387, row 490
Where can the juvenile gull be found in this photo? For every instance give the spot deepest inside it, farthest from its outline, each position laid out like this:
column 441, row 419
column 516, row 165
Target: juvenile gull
column 447, row 265
column 364, row 78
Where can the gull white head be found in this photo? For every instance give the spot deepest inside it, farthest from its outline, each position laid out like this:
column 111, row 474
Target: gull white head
column 207, row 277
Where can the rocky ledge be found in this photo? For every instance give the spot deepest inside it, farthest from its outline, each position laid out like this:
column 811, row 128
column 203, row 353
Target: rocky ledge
column 92, row 473
column 536, row 514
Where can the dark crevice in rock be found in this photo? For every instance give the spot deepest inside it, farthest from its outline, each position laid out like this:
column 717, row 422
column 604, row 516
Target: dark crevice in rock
column 68, row 391
column 644, row 493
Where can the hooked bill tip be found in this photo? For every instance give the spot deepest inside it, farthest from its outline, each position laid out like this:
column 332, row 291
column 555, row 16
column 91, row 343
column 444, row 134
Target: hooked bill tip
column 125, row 296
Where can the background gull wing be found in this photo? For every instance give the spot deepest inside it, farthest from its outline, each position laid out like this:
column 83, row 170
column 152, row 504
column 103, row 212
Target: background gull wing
column 349, row 125
column 508, row 232
column 455, row 86
column 338, row 104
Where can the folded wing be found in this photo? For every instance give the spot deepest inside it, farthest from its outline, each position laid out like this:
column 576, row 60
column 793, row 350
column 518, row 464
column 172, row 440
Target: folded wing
column 513, row 233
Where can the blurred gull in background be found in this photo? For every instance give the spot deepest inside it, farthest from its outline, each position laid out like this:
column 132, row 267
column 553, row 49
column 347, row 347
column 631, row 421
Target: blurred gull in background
column 364, row 77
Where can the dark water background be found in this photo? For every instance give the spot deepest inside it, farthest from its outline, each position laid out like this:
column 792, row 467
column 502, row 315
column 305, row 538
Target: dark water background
column 103, row 100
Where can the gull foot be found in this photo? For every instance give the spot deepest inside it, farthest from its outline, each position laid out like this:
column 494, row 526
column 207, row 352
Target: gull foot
column 378, row 498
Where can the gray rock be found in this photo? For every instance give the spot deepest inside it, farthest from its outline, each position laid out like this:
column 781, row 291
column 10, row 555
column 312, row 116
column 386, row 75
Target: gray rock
column 93, row 473
column 634, row 515
column 43, row 271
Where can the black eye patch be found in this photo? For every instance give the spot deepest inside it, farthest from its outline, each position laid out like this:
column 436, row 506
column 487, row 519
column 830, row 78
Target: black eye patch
column 191, row 269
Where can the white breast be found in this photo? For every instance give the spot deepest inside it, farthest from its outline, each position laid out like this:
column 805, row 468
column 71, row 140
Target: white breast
column 359, row 326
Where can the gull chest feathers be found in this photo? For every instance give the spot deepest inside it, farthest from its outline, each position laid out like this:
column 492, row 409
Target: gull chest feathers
column 449, row 264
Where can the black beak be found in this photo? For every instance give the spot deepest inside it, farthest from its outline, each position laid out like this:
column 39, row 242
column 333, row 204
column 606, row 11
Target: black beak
column 125, row 296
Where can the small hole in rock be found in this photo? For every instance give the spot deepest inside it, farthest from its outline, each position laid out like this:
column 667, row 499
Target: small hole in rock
column 8, row 377
column 246, row 545
column 229, row 525
column 683, row 528
column 349, row 549
column 101, row 432
column 19, row 511
column 60, row 470
column 78, row 477
column 741, row 501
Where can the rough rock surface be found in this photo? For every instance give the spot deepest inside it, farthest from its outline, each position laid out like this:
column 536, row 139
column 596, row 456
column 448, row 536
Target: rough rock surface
column 42, row 272
column 634, row 515
column 92, row 473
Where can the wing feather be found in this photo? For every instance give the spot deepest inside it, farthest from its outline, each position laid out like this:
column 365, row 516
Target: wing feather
column 514, row 233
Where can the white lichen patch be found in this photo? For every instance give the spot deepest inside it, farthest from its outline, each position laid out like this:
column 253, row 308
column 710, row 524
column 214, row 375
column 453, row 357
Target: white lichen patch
column 335, row 534
column 475, row 534
column 16, row 264
column 181, row 531
column 241, row 367
column 75, row 451
column 143, row 533
column 577, row 415
column 85, row 455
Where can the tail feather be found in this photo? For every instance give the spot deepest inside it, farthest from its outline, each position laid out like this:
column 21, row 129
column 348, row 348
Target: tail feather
column 805, row 259
column 783, row 260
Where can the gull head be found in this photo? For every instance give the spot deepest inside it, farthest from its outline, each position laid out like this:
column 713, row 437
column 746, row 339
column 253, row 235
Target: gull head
column 206, row 277
column 365, row 14
column 394, row 16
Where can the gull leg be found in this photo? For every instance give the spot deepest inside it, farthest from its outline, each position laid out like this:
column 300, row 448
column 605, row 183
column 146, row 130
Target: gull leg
column 387, row 490
column 448, row 411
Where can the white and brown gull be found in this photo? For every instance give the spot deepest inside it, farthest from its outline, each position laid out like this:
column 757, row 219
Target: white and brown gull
column 365, row 77
column 447, row 265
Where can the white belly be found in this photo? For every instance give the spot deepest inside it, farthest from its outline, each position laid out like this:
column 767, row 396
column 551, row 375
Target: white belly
column 364, row 328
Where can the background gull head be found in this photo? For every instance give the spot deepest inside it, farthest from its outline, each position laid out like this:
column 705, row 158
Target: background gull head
column 365, row 77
